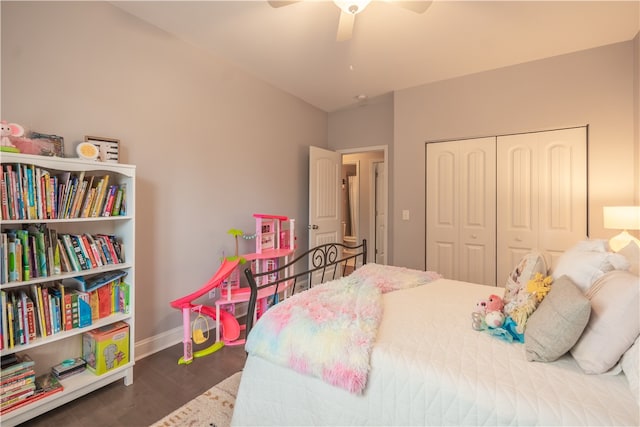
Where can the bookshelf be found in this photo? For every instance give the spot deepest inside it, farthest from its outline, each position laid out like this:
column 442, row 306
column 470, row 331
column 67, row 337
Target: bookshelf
column 98, row 220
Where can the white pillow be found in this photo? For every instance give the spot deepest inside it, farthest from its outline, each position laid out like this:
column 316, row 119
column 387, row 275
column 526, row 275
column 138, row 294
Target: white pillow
column 631, row 368
column 614, row 323
column 587, row 261
column 632, row 254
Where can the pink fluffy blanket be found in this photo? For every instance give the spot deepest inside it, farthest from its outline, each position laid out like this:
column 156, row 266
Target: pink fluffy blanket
column 329, row 331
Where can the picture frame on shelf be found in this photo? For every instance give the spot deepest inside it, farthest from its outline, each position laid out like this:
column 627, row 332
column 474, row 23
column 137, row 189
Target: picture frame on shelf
column 55, row 146
column 108, row 148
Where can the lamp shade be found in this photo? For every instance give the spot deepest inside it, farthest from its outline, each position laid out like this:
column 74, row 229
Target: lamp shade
column 622, row 217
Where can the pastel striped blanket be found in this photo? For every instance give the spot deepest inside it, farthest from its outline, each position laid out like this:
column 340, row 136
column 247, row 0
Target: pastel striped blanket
column 329, row 331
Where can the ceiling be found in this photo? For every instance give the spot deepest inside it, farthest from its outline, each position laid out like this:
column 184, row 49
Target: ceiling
column 294, row 48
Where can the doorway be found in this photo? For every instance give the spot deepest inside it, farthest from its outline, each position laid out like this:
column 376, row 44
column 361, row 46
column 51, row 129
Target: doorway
column 364, row 200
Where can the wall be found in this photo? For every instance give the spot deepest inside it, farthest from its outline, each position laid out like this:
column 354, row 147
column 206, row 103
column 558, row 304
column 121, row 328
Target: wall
column 636, row 107
column 369, row 124
column 212, row 144
column 594, row 87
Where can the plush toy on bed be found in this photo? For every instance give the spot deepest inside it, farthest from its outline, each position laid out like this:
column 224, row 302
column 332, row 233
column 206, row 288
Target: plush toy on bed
column 488, row 313
column 494, row 317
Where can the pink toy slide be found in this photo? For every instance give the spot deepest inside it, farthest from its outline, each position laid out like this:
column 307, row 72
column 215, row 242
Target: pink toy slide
column 230, row 325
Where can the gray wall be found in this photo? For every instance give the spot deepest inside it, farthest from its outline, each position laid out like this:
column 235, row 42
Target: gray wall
column 598, row 87
column 593, row 87
column 212, row 144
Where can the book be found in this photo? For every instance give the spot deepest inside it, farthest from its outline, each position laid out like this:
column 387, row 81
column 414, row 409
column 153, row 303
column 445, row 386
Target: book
column 71, row 252
column 84, row 309
column 79, row 252
column 100, row 260
column 55, row 255
column 45, row 385
column 22, row 361
column 4, row 197
column 87, row 251
column 81, row 187
column 66, row 308
column 46, row 309
column 86, row 209
column 23, row 236
column 12, row 264
column 5, row 325
column 100, row 197
column 18, row 380
column 117, row 203
column 36, row 295
column 31, row 318
column 23, row 390
column 65, row 262
column 110, row 199
column 11, row 324
column 40, row 252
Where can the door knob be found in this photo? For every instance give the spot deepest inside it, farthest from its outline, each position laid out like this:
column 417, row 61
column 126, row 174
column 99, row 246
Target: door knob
column 312, row 227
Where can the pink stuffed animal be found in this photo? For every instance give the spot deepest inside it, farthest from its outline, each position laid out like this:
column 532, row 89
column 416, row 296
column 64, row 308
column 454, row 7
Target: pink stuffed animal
column 494, row 317
column 494, row 303
column 7, row 130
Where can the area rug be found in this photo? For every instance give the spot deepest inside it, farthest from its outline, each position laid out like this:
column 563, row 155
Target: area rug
column 212, row 408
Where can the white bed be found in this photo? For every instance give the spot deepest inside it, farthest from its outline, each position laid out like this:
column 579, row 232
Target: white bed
column 430, row 367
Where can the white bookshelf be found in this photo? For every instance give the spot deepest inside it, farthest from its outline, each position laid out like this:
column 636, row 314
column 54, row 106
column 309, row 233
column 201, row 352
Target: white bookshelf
column 51, row 350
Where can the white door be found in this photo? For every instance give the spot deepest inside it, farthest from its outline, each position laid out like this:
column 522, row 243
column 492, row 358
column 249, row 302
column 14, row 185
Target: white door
column 542, row 195
column 324, row 196
column 477, row 203
column 460, row 209
column 380, row 213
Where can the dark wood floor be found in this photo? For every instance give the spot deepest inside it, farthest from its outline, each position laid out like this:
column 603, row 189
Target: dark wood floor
column 159, row 386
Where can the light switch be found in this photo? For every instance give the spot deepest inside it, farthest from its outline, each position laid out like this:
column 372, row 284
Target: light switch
column 405, row 215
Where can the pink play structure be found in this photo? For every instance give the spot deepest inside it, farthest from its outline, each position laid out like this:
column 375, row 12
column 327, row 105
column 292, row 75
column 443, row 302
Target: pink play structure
column 275, row 243
column 228, row 323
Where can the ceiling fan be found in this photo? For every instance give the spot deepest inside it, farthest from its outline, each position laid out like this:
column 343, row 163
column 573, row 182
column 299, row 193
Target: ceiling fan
column 350, row 8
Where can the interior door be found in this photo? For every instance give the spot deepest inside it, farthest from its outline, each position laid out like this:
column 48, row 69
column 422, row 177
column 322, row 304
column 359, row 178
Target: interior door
column 324, row 196
column 542, row 195
column 460, row 211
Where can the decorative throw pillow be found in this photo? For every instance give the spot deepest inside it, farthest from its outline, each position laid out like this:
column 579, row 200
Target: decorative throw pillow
column 614, row 323
column 525, row 270
column 587, row 261
column 631, row 368
column 557, row 323
column 632, row 254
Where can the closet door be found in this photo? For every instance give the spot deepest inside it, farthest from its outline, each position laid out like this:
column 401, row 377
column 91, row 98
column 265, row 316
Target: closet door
column 460, row 209
column 542, row 195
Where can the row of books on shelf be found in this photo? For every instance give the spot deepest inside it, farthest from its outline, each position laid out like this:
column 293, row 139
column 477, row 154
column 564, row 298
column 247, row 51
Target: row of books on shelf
column 37, row 251
column 31, row 192
column 41, row 310
column 19, row 385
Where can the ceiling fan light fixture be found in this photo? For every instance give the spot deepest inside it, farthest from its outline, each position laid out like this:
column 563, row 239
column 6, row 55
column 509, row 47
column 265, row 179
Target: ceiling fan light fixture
column 352, row 6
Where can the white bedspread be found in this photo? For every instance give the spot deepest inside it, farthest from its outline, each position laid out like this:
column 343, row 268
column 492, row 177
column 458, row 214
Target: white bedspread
column 429, row 367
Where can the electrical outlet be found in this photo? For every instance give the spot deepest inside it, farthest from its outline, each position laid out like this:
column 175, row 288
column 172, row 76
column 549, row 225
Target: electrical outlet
column 213, row 293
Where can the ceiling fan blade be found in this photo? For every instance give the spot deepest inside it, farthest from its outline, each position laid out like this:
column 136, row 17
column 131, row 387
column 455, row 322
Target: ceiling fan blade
column 281, row 3
column 417, row 6
column 345, row 26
